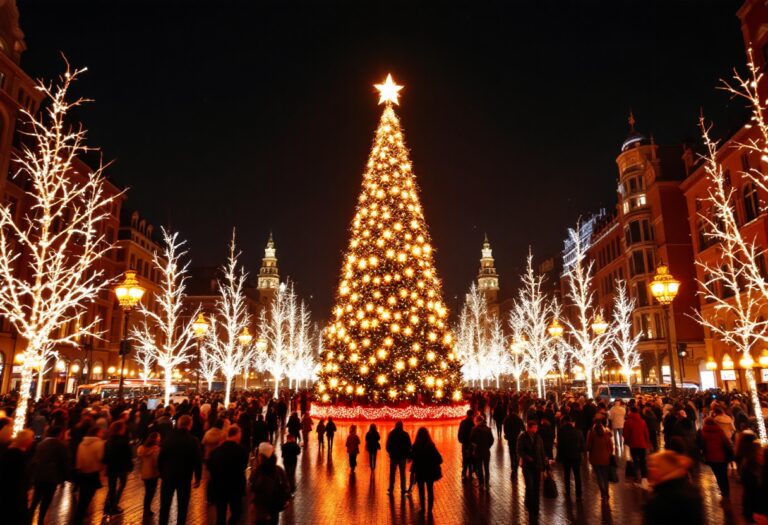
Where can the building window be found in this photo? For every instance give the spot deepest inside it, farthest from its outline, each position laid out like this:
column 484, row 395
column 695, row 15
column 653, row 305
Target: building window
column 636, row 263
column 641, row 293
column 751, row 201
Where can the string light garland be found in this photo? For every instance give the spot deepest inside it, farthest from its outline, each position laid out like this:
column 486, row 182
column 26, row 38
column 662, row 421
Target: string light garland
column 357, row 413
column 388, row 341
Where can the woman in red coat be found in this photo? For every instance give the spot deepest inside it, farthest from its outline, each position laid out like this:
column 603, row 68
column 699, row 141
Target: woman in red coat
column 637, row 438
column 717, row 453
column 600, row 449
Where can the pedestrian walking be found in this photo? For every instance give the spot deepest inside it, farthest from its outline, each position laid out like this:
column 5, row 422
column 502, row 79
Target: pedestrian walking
column 213, row 438
column 717, row 452
column 600, row 450
column 321, row 435
column 426, row 468
column 330, row 431
column 306, row 428
column 291, row 450
column 148, row 453
column 570, row 450
column 269, row 487
column 399, row 449
column 751, row 476
column 272, row 423
column 226, row 486
column 179, row 460
column 482, row 440
column 88, row 465
column 616, row 417
column 50, row 466
column 674, row 500
column 637, row 438
column 465, row 430
column 118, row 458
column 294, row 425
column 530, row 449
column 372, row 444
column 499, row 414
column 353, row 447
column 513, row 427
column 14, row 481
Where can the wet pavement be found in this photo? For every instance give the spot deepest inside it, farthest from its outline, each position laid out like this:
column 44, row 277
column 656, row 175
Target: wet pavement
column 327, row 493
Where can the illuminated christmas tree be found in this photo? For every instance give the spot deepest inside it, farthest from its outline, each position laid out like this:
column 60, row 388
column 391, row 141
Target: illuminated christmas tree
column 388, row 342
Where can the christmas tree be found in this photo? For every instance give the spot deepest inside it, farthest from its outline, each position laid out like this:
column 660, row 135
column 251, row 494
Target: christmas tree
column 388, row 341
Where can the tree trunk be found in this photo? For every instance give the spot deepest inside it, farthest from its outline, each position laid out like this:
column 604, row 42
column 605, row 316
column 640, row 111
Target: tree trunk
column 277, row 385
column 588, row 376
column 39, row 386
column 168, row 386
column 20, row 414
column 756, row 403
column 210, row 384
column 540, row 387
column 497, row 382
column 517, row 380
column 227, row 390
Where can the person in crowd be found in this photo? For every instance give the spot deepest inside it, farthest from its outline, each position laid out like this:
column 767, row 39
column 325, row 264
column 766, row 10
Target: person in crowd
column 353, row 447
column 616, row 416
column 272, row 423
column 717, row 451
column 330, row 431
column 118, row 458
column 547, row 434
column 399, row 449
column 652, row 423
column 320, row 434
column 751, row 469
column 513, row 427
column 213, row 438
column 570, row 449
column 725, row 422
column 260, row 433
column 530, row 449
column 294, row 425
column 227, row 464
column 50, row 466
column 426, row 468
column 637, row 438
column 372, row 445
column 600, row 449
column 465, row 429
column 148, row 452
column 499, row 413
column 291, row 450
column 674, row 500
column 14, row 479
column 482, row 441
column 269, row 487
column 178, row 461
column 89, row 464
column 306, row 428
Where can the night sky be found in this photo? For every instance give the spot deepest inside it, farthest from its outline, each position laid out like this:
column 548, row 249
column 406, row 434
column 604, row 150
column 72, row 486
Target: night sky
column 260, row 115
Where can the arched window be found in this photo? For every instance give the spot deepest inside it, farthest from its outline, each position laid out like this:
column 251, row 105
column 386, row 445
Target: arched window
column 751, row 201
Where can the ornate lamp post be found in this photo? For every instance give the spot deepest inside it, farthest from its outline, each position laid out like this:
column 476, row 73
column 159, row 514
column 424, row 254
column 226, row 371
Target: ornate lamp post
column 517, row 350
column 245, row 339
column 556, row 332
column 664, row 288
column 599, row 326
column 128, row 293
column 200, row 328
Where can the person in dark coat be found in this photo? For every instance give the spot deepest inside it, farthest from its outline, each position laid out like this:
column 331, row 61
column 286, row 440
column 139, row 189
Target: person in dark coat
column 268, row 486
column 330, row 431
column 588, row 414
column 570, row 450
column 272, row 424
column 652, row 422
column 226, row 486
column 372, row 444
column 513, row 427
column 674, row 500
column 426, row 467
column 260, row 433
column 14, row 479
column 180, row 458
column 685, row 429
column 294, row 425
column 751, row 496
column 530, row 449
column 320, row 435
column 547, row 433
column 118, row 458
column 482, row 440
column 399, row 449
column 499, row 413
column 465, row 429
column 291, row 451
column 50, row 465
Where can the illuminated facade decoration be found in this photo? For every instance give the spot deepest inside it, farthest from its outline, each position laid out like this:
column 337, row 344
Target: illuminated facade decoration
column 363, row 413
column 388, row 341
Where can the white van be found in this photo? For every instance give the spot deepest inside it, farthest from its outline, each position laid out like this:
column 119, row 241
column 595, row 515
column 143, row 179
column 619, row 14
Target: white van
column 612, row 392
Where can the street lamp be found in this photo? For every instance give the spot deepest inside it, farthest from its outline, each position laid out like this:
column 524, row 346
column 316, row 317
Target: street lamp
column 200, row 328
column 555, row 329
column 599, row 326
column 763, row 359
column 128, row 293
column 245, row 339
column 664, row 288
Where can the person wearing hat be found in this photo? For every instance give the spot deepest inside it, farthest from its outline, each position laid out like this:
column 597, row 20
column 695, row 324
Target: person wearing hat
column 674, row 500
column 530, row 450
column 269, row 487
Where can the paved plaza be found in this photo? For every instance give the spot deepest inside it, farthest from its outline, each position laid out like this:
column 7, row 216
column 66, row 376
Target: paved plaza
column 327, row 493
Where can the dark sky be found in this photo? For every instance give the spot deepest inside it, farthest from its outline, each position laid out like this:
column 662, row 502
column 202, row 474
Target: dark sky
column 260, row 115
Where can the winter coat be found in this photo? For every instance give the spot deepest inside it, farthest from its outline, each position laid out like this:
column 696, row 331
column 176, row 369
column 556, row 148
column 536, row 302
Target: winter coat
column 227, row 465
column 180, row 457
column 291, row 451
column 14, row 485
column 482, row 438
column 353, row 444
column 294, row 425
column 372, row 441
column 398, row 444
column 674, row 502
column 426, row 462
column 330, row 429
column 118, row 455
column 50, row 462
column 211, row 440
column 636, row 432
column 599, row 446
column 547, row 433
column 148, row 461
column 725, row 422
column 270, row 490
column 713, row 443
column 570, row 444
column 90, row 454
column 616, row 415
column 306, row 424
column 530, row 448
column 513, row 426
column 465, row 429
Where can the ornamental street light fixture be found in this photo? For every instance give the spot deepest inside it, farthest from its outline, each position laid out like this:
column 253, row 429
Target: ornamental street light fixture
column 555, row 329
column 128, row 293
column 245, row 337
column 763, row 359
column 200, row 328
column 599, row 326
column 664, row 288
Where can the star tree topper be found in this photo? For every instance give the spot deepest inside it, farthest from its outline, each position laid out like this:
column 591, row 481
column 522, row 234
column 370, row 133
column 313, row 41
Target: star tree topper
column 388, row 91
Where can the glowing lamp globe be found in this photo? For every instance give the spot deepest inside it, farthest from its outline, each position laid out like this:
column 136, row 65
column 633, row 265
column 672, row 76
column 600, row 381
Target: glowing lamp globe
column 664, row 286
column 129, row 292
column 245, row 337
column 200, row 326
column 763, row 359
column 599, row 326
column 555, row 329
column 746, row 362
column 727, row 362
column 711, row 363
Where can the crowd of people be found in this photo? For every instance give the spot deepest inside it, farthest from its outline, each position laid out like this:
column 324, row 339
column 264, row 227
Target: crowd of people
column 660, row 442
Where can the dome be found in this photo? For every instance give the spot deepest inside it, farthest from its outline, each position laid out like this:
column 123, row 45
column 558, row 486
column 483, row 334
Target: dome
column 634, row 138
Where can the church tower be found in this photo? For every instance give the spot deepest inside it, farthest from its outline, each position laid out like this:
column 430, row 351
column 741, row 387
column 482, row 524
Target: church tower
column 488, row 279
column 269, row 278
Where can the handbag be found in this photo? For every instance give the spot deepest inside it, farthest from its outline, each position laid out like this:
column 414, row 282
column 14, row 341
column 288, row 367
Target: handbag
column 550, row 487
column 613, row 475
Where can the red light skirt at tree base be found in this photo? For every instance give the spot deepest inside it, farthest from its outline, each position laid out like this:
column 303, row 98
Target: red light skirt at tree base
column 387, row 413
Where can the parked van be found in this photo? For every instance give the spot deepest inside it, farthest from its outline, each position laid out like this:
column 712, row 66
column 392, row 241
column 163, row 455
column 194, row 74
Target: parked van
column 612, row 392
column 650, row 389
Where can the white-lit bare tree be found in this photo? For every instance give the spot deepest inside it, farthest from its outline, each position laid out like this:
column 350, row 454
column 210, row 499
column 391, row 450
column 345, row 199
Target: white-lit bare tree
column 499, row 360
column 303, row 360
column 49, row 251
column 167, row 333
column 622, row 343
column 472, row 345
column 145, row 358
column 587, row 347
column 207, row 366
column 275, row 326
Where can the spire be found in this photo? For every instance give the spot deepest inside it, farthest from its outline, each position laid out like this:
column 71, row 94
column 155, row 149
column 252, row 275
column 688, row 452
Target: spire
column 634, row 138
column 631, row 121
column 487, row 278
column 269, row 277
